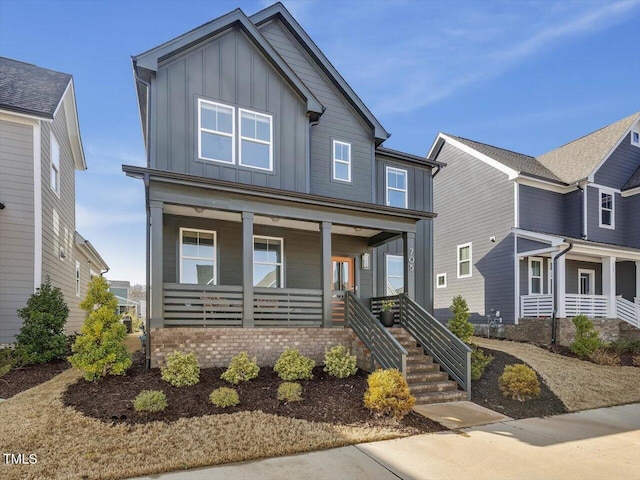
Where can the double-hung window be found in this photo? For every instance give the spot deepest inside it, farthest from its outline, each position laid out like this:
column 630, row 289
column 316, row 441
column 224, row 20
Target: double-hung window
column 535, row 276
column 197, row 256
column 268, row 253
column 55, row 165
column 256, row 138
column 395, row 274
column 464, row 260
column 341, row 161
column 77, row 278
column 396, row 187
column 216, row 123
column 607, row 209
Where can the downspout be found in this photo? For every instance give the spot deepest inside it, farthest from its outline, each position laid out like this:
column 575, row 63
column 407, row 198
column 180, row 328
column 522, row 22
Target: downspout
column 438, row 168
column 555, row 293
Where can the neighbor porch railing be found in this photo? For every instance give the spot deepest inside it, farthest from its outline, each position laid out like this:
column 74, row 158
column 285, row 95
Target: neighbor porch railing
column 628, row 311
column 589, row 305
column 536, row 305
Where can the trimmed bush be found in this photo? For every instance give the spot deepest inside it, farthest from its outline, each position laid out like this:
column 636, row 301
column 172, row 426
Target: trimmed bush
column 605, row 357
column 339, row 363
column 181, row 369
column 290, row 392
column 479, row 361
column 460, row 325
column 241, row 369
column 519, row 382
column 41, row 338
column 388, row 394
column 224, row 397
column 293, row 366
column 587, row 340
column 150, row 401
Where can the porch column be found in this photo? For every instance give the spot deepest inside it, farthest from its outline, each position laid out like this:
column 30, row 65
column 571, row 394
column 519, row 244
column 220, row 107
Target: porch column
column 561, row 286
column 155, row 258
column 409, row 249
column 326, row 276
column 247, row 270
column 609, row 284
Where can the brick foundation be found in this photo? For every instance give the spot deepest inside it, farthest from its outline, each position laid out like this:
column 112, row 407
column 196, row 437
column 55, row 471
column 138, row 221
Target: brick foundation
column 215, row 347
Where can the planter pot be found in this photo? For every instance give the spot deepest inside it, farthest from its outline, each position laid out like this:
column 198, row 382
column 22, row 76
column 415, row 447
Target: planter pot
column 386, row 318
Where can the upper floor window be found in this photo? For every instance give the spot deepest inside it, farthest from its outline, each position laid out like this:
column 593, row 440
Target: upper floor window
column 216, row 125
column 635, row 137
column 197, row 256
column 607, row 209
column 55, row 165
column 256, row 135
column 341, row 161
column 267, row 262
column 396, row 187
column 395, row 274
column 464, row 260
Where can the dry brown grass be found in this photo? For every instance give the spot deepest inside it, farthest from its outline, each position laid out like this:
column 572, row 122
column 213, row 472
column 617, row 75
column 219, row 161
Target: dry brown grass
column 580, row 385
column 70, row 445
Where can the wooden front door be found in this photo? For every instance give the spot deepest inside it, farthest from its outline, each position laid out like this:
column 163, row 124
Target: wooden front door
column 343, row 280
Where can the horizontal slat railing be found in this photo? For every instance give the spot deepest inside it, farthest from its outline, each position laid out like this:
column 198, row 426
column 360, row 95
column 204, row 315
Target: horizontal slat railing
column 536, row 306
column 376, row 306
column 451, row 353
column 589, row 305
column 384, row 347
column 628, row 311
column 287, row 307
column 188, row 305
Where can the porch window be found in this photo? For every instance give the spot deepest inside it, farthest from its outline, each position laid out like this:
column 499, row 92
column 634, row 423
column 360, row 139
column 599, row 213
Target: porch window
column 197, row 256
column 395, row 274
column 216, row 124
column 396, row 187
column 256, row 140
column 341, row 161
column 535, row 276
column 607, row 216
column 464, row 260
column 55, row 165
column 267, row 262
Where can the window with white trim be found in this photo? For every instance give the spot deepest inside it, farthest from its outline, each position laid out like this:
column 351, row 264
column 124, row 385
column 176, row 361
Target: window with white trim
column 441, row 280
column 268, row 253
column 395, row 274
column 197, row 256
column 550, row 275
column 216, row 124
column 396, row 187
column 55, row 165
column 341, row 166
column 535, row 276
column 464, row 260
column 256, row 134
column 635, row 137
column 77, row 278
column 607, row 209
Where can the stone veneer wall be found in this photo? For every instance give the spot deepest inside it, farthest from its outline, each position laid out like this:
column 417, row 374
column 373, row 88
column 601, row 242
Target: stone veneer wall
column 215, row 347
column 538, row 330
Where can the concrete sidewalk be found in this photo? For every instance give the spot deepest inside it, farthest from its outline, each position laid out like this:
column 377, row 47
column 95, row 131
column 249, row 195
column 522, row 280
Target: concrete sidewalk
column 594, row 444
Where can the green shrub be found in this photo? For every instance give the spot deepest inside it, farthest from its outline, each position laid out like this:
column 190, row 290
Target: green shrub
column 150, row 401
column 241, row 369
column 587, row 340
column 41, row 338
column 605, row 357
column 293, row 366
column 519, row 382
column 10, row 359
column 290, row 392
column 98, row 295
column 479, row 361
column 459, row 324
column 339, row 363
column 388, row 394
column 620, row 346
column 634, row 347
column 181, row 369
column 224, row 397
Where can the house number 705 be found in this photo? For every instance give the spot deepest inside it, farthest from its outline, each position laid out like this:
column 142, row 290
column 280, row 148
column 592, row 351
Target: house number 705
column 411, row 259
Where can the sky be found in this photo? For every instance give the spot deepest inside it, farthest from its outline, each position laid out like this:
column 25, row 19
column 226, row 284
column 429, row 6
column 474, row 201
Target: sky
column 528, row 76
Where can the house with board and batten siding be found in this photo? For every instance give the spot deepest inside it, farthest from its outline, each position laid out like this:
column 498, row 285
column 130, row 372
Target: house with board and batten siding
column 533, row 241
column 40, row 151
column 276, row 217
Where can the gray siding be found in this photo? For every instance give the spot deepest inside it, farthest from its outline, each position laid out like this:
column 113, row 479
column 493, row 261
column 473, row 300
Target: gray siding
column 632, row 220
column 605, row 235
column 573, row 214
column 474, row 202
column 229, row 70
column 620, row 165
column 572, row 267
column 626, row 280
column 16, row 225
column 526, row 245
column 338, row 122
column 542, row 210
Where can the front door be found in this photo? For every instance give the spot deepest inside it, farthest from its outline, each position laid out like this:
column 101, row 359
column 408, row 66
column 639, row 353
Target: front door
column 586, row 282
column 343, row 273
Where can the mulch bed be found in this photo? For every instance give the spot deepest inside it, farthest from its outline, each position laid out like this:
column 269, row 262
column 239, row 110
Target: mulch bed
column 24, row 378
column 626, row 358
column 486, row 392
column 325, row 399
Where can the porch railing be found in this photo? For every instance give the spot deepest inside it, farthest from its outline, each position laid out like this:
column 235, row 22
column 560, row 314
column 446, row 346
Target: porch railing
column 451, row 353
column 338, row 308
column 202, row 305
column 287, row 307
column 628, row 311
column 376, row 306
column 589, row 305
column 536, row 305
column 384, row 347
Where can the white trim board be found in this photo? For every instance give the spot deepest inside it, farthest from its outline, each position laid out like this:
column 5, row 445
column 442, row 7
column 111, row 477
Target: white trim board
column 37, row 205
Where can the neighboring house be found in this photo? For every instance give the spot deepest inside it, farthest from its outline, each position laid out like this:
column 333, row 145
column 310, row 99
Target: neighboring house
column 122, row 289
column 40, row 150
column 270, row 197
column 504, row 220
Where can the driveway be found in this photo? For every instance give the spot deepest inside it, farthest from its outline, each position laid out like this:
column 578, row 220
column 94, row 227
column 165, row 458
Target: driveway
column 593, row 444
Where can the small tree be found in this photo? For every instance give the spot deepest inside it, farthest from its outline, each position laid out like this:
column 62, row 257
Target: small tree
column 587, row 340
column 41, row 338
column 99, row 349
column 459, row 324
